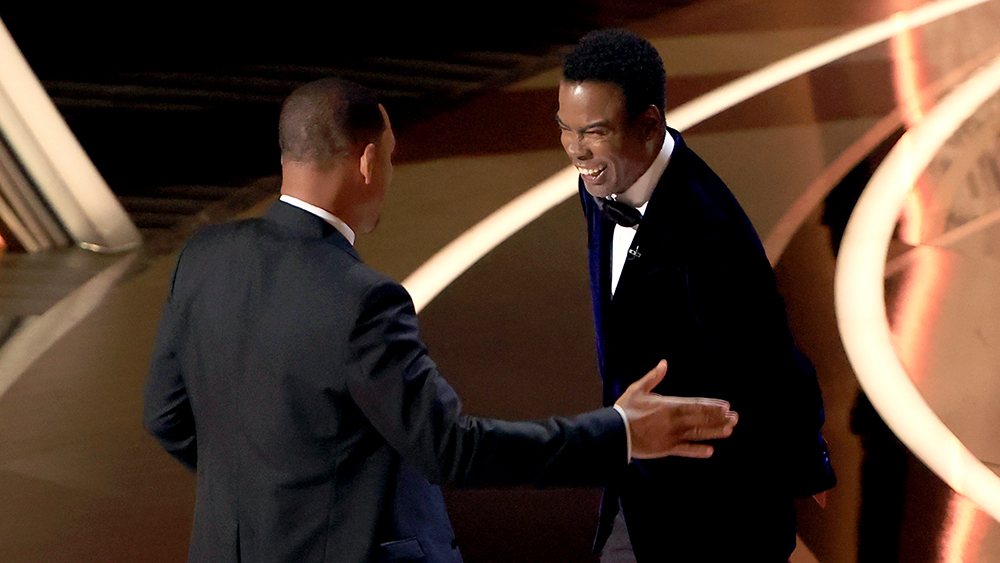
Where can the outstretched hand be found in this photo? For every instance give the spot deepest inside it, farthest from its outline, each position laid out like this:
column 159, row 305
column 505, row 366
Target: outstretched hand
column 662, row 426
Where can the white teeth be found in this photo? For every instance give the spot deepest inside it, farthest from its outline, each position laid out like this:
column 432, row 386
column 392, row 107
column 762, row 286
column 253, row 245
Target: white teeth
column 591, row 171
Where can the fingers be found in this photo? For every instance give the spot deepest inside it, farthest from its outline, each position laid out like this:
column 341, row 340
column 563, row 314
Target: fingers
column 653, row 378
column 733, row 416
column 712, row 432
column 683, row 449
column 731, row 419
column 712, row 423
column 700, row 451
column 705, row 419
column 688, row 443
column 697, row 404
column 717, row 402
column 697, row 411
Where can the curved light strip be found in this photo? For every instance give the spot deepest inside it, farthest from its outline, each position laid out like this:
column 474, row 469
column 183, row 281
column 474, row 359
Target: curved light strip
column 748, row 86
column 859, row 293
column 779, row 237
column 427, row 281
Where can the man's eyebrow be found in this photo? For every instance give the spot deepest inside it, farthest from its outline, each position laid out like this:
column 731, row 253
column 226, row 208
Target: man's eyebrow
column 596, row 124
column 602, row 123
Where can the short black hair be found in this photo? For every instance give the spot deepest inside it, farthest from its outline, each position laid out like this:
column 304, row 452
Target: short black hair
column 622, row 58
column 324, row 120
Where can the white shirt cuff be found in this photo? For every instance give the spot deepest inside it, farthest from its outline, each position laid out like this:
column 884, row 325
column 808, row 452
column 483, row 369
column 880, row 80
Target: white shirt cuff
column 628, row 433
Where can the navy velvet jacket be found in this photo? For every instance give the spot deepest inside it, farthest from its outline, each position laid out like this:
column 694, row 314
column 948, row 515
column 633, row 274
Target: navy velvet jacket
column 699, row 292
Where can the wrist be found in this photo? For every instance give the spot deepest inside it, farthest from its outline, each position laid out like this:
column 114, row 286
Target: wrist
column 628, row 433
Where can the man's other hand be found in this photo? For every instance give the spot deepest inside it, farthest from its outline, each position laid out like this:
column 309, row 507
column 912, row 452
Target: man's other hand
column 662, row 426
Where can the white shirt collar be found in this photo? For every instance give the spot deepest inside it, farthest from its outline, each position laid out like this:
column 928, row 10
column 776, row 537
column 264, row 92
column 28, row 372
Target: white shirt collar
column 642, row 189
column 322, row 214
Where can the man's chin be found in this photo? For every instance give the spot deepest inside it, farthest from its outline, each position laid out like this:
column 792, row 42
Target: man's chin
column 372, row 226
column 598, row 190
column 368, row 226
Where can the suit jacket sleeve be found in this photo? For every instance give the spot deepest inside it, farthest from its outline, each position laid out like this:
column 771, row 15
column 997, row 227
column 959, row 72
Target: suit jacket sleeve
column 167, row 409
column 398, row 388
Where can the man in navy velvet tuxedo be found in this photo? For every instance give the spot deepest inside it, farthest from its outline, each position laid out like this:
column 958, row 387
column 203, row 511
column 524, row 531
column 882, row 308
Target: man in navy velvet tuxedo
column 291, row 376
column 678, row 272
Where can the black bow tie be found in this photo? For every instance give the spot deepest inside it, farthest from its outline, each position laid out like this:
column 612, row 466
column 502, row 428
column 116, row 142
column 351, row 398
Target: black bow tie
column 621, row 213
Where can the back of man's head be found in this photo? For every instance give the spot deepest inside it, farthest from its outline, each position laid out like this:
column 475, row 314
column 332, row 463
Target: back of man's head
column 622, row 58
column 325, row 120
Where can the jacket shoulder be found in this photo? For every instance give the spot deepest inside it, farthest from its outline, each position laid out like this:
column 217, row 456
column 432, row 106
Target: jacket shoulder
column 700, row 205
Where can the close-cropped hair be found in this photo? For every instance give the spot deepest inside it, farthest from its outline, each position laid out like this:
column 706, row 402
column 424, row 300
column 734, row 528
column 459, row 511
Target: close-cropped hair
column 325, row 120
column 622, row 58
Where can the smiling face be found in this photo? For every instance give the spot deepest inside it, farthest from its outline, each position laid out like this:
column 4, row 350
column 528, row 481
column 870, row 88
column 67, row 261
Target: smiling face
column 608, row 149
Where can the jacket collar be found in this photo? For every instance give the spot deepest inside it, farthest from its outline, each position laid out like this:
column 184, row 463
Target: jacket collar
column 305, row 225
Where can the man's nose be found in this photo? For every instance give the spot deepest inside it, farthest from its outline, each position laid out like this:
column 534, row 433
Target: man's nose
column 577, row 148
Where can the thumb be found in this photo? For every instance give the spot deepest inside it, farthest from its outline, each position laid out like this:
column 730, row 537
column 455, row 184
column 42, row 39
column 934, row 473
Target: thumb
column 654, row 377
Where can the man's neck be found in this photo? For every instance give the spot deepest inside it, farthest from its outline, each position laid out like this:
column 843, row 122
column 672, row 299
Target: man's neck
column 638, row 194
column 325, row 187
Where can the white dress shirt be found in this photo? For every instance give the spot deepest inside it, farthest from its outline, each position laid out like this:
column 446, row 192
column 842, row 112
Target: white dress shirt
column 322, row 214
column 637, row 195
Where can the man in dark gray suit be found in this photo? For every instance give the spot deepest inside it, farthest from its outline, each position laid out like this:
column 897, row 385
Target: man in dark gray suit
column 291, row 377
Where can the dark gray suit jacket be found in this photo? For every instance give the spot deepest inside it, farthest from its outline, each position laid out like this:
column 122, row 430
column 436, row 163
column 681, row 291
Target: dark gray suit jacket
column 291, row 377
column 699, row 292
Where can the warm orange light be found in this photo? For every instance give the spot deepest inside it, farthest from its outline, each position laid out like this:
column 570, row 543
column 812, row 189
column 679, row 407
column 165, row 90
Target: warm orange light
column 964, row 531
column 908, row 76
column 918, row 305
column 908, row 80
column 912, row 215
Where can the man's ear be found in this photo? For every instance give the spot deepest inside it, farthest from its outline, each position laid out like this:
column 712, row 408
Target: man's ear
column 368, row 162
column 652, row 121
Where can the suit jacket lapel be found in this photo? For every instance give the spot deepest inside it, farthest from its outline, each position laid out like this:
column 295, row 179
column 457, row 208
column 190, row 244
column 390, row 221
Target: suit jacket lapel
column 605, row 233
